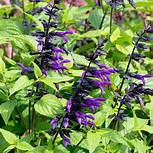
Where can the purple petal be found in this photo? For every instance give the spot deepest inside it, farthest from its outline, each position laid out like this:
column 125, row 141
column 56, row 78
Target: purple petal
column 66, row 140
column 54, row 122
column 24, row 68
column 90, row 116
column 69, row 105
column 58, row 50
column 66, row 122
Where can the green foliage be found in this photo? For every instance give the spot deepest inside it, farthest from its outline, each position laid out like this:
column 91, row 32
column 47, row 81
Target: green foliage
column 49, row 105
column 20, row 99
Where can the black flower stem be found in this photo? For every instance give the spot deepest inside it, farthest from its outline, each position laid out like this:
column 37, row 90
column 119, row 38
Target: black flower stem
column 29, row 111
column 111, row 20
column 33, row 118
column 79, row 85
column 103, row 18
column 58, row 130
column 78, row 143
column 48, row 26
column 128, row 65
column 115, row 121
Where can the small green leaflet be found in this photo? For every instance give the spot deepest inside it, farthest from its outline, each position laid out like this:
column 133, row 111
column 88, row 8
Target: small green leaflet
column 9, row 137
column 115, row 35
column 6, row 110
column 49, row 105
column 37, row 71
column 20, row 84
column 40, row 26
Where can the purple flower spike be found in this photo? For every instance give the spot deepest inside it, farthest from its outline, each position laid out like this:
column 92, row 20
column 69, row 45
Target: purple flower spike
column 54, row 122
column 63, row 34
column 24, row 68
column 93, row 103
column 56, row 50
column 66, row 122
column 142, row 77
column 90, row 116
column 65, row 61
column 82, row 119
column 66, row 140
column 69, row 105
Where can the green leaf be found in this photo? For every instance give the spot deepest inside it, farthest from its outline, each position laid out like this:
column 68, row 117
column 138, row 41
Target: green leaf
column 56, row 78
column 122, row 49
column 95, row 18
column 9, row 148
column 149, row 106
column 34, row 19
column 3, row 143
column 93, row 33
column 112, row 135
column 137, row 124
column 37, row 71
column 6, row 110
column 12, row 75
column 9, row 137
column 100, row 117
column 76, row 136
column 38, row 149
column 93, row 140
column 76, row 73
column 115, row 35
column 20, row 84
column 60, row 149
column 29, row 40
column 2, row 65
column 10, row 61
column 24, row 146
column 149, row 83
column 49, row 105
column 139, row 146
column 48, row 81
column 80, row 59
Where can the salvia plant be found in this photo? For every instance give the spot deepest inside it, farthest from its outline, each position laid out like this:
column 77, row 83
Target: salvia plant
column 76, row 76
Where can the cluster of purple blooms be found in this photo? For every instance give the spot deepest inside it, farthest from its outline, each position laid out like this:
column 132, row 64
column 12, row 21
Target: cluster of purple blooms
column 49, row 53
column 81, row 105
column 135, row 91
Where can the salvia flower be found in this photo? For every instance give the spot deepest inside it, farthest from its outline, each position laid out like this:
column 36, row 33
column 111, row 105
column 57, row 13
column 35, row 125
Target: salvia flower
column 66, row 122
column 134, row 92
column 63, row 34
column 54, row 122
column 69, row 105
column 24, row 68
column 51, row 53
column 92, row 103
column 141, row 77
column 66, row 140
